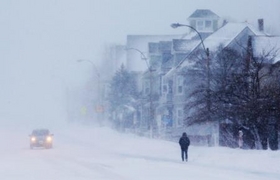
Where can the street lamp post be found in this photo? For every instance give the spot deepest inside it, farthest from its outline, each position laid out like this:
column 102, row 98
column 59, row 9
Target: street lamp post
column 151, row 116
column 99, row 107
column 206, row 50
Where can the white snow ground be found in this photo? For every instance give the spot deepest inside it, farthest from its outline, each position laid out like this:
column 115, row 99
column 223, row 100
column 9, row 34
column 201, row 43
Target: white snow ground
column 90, row 153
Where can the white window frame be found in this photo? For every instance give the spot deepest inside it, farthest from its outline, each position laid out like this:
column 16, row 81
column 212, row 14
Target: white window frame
column 180, row 84
column 147, row 87
column 180, row 116
column 208, row 28
column 164, row 88
column 200, row 25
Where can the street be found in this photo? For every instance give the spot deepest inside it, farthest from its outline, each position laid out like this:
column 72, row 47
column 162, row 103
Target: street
column 86, row 153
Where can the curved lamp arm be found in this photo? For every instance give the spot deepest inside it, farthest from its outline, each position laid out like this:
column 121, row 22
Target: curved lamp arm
column 176, row 25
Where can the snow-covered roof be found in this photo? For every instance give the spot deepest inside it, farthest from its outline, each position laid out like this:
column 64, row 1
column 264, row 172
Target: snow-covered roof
column 267, row 44
column 174, row 69
column 130, row 108
column 226, row 34
column 134, row 60
column 184, row 45
column 203, row 13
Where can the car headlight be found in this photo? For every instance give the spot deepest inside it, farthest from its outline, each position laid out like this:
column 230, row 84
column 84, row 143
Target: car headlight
column 49, row 138
column 33, row 139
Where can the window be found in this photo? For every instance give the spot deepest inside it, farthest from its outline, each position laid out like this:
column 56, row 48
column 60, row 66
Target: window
column 204, row 25
column 147, row 87
column 180, row 116
column 169, row 87
column 180, row 89
column 180, row 81
column 164, row 88
column 200, row 25
column 208, row 24
column 180, row 113
column 164, row 85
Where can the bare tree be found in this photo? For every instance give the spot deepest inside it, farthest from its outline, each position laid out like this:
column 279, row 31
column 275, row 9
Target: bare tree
column 237, row 92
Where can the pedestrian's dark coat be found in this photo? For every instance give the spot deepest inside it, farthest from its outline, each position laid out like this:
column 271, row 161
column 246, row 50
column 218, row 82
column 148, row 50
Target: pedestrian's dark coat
column 184, row 141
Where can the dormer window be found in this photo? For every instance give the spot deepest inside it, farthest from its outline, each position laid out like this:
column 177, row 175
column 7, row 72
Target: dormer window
column 208, row 24
column 200, row 25
column 204, row 25
column 204, row 20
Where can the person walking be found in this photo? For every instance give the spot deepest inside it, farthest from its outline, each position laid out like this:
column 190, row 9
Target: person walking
column 184, row 144
column 240, row 138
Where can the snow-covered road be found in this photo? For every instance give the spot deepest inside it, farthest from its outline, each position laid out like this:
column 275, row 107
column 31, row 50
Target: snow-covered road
column 88, row 153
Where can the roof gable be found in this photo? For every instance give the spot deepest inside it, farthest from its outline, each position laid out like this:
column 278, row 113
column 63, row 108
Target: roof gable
column 223, row 36
column 226, row 34
column 203, row 13
column 184, row 45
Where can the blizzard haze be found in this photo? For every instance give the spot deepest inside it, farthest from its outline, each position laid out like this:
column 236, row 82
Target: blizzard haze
column 40, row 42
column 91, row 153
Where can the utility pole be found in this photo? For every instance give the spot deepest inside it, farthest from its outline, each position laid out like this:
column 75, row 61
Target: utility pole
column 206, row 51
column 151, row 108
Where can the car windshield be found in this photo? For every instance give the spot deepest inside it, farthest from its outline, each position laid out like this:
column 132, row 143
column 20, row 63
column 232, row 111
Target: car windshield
column 42, row 132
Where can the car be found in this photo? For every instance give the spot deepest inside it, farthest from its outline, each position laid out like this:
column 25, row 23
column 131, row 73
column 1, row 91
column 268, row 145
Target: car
column 41, row 138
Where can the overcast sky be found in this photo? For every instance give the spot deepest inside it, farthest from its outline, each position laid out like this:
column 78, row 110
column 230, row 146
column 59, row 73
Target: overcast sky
column 41, row 39
column 79, row 28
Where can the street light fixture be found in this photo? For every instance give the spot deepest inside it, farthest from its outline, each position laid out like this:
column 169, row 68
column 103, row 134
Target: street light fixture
column 99, row 108
column 151, row 116
column 176, row 25
column 89, row 61
column 206, row 50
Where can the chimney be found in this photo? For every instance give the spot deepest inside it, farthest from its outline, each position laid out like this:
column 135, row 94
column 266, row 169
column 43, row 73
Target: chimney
column 260, row 23
column 225, row 22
